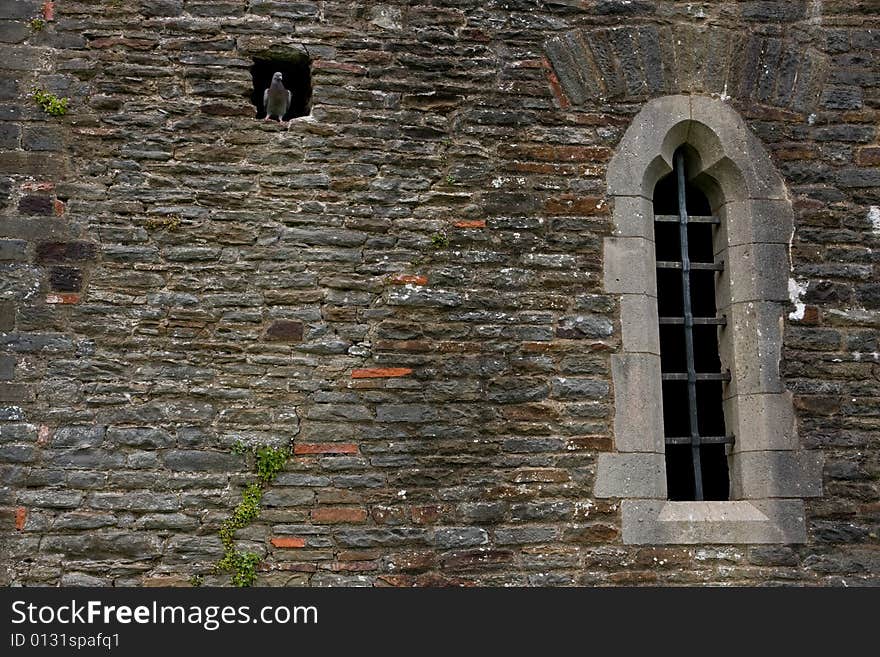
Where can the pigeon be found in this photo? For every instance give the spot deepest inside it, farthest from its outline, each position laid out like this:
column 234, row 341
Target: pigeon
column 276, row 99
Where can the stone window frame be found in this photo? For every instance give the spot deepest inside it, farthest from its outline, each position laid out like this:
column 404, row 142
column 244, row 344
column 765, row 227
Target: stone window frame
column 770, row 473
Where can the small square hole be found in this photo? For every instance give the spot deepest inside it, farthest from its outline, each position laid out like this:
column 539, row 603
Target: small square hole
column 296, row 77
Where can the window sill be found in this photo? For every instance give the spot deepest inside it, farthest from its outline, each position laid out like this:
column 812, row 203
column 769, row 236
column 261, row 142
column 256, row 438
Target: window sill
column 661, row 522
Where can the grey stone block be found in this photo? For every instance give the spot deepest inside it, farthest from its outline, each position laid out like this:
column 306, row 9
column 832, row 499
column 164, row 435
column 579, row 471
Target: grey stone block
column 334, row 412
column 755, row 221
column 134, row 501
column 84, row 520
column 633, row 475
column 84, row 579
column 42, row 138
column 633, row 216
column 53, row 499
column 458, row 537
column 414, row 413
column 78, row 436
column 588, row 326
column 286, row 497
column 638, row 403
column 202, row 461
column 754, row 272
column 751, row 347
column 762, row 422
column 369, row 537
column 17, row 453
column 770, row 474
column 578, row 388
column 629, row 266
column 104, row 545
column 661, row 522
column 639, row 324
column 516, row 390
column 526, row 535
column 13, row 250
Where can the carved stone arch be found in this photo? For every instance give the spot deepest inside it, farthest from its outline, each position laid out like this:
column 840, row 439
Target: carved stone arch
column 770, row 473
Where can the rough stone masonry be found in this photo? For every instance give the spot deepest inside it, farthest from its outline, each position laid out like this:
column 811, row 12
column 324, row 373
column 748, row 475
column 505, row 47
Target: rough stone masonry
column 404, row 285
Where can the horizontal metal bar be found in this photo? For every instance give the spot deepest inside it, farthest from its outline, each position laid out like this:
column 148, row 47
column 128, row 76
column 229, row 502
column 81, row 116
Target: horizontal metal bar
column 717, row 321
column 674, row 219
column 704, row 440
column 701, row 376
column 674, row 264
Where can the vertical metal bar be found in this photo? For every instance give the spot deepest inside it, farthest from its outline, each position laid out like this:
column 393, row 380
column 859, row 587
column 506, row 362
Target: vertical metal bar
column 678, row 164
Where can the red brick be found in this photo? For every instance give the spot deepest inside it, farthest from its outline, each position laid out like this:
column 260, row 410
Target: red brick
column 325, row 448
column 20, row 518
column 49, row 10
column 408, row 279
column 62, row 298
column 339, row 514
column 288, row 542
column 470, row 223
column 59, row 207
column 44, row 435
column 380, row 372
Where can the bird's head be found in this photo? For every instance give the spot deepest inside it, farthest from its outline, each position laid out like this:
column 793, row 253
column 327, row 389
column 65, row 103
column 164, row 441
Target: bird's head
column 277, row 77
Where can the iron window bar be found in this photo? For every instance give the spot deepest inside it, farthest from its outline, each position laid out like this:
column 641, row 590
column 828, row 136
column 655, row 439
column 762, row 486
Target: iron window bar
column 674, row 219
column 698, row 321
column 673, row 264
column 688, row 321
column 705, row 440
column 698, row 376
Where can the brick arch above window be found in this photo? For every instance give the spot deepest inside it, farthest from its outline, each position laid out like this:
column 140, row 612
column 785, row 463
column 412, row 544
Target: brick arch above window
column 636, row 62
column 770, row 472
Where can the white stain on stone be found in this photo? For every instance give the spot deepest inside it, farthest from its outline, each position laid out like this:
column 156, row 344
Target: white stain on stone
column 795, row 291
column 874, row 217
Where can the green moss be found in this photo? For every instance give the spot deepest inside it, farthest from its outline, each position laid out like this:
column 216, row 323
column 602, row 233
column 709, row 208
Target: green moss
column 440, row 240
column 51, row 103
column 37, row 24
column 268, row 462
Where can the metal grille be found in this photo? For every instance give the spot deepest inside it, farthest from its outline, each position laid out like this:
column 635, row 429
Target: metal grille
column 688, row 321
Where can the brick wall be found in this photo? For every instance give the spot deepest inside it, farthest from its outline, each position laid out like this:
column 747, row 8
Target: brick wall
column 405, row 285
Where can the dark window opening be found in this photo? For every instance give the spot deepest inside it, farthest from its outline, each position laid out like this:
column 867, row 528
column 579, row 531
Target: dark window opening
column 690, row 365
column 296, row 76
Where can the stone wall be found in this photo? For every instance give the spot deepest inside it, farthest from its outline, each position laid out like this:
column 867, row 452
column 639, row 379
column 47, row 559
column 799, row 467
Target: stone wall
column 405, row 286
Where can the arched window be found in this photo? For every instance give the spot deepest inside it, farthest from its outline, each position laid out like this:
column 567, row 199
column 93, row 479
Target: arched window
column 693, row 416
column 698, row 393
